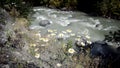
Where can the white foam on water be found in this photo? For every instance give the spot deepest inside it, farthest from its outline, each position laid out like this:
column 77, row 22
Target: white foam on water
column 110, row 28
column 41, row 17
column 35, row 27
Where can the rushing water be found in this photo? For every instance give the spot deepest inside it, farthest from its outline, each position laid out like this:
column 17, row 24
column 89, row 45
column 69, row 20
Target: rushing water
column 72, row 23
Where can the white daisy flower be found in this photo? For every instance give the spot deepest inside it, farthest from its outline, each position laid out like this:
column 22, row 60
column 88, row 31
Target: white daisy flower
column 77, row 39
column 33, row 45
column 72, row 34
column 38, row 35
column 52, row 34
column 71, row 50
column 59, row 64
column 50, row 31
column 64, row 32
column 37, row 55
column 45, row 39
column 41, row 39
column 89, row 42
column 61, row 35
column 82, row 43
column 88, row 37
column 36, row 49
column 69, row 30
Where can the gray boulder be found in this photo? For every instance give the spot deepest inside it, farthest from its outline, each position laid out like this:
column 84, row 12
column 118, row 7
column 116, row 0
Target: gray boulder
column 44, row 23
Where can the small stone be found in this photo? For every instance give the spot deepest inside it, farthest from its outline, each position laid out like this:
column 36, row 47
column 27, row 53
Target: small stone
column 44, row 23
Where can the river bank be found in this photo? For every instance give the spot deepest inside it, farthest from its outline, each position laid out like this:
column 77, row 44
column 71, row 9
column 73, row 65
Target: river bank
column 33, row 44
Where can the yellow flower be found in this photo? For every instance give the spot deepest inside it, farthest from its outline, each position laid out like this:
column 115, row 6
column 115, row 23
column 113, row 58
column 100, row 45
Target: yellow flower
column 83, row 44
column 69, row 30
column 71, row 50
column 37, row 55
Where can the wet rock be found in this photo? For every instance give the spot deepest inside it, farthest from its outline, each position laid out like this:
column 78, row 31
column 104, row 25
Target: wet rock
column 102, row 49
column 44, row 23
column 109, row 56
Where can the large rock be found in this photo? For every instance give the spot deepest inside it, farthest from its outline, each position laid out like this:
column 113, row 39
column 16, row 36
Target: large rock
column 44, row 23
column 102, row 49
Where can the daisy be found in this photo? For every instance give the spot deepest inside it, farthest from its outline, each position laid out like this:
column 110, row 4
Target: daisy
column 37, row 55
column 88, row 37
column 69, row 30
column 59, row 64
column 89, row 42
column 33, row 45
column 71, row 50
column 83, row 44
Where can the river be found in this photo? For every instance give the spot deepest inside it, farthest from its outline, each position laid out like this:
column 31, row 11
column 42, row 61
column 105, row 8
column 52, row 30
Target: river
column 76, row 23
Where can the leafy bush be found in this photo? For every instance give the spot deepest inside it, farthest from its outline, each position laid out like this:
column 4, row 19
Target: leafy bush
column 109, row 8
column 16, row 7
